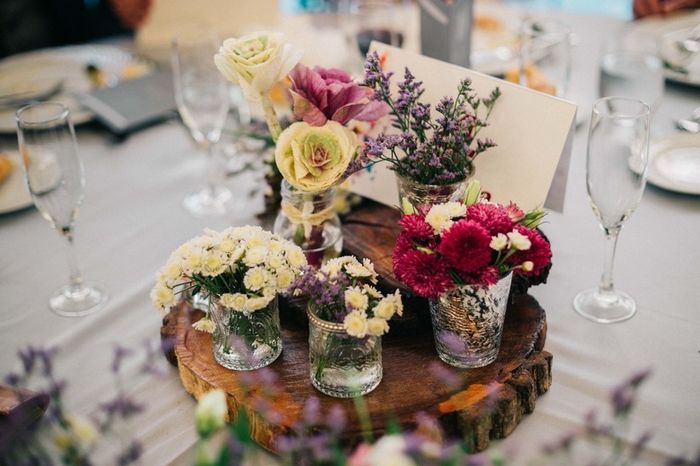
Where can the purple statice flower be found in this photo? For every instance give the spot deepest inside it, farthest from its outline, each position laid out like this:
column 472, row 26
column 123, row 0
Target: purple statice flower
column 131, row 454
column 437, row 150
column 624, row 395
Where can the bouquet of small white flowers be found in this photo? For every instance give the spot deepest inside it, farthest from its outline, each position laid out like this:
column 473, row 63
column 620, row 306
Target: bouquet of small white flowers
column 244, row 267
column 342, row 291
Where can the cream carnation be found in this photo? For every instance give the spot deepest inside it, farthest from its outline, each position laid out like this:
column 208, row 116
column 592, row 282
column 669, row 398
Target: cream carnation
column 519, row 241
column 440, row 216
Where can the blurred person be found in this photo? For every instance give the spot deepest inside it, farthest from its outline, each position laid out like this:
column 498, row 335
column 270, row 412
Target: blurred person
column 32, row 24
column 643, row 8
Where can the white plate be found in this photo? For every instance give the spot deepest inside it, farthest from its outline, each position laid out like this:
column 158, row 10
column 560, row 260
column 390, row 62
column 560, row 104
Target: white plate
column 14, row 194
column 43, row 68
column 662, row 32
column 674, row 163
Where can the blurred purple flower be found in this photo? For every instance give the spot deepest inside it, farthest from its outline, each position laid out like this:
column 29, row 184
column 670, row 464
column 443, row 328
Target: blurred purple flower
column 323, row 94
column 623, row 396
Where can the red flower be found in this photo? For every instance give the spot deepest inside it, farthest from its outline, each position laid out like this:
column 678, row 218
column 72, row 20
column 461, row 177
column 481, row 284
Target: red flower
column 540, row 253
column 493, row 217
column 485, row 277
column 416, row 227
column 425, row 274
column 465, row 246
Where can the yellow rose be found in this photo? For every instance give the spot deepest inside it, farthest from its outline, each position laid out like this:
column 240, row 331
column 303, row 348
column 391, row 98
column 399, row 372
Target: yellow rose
column 314, row 158
column 256, row 61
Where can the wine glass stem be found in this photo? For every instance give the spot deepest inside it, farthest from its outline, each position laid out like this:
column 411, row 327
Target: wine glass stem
column 212, row 169
column 606, row 281
column 75, row 277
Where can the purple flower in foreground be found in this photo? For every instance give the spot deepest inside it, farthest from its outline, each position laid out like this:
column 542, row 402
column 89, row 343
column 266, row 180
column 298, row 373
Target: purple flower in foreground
column 323, row 94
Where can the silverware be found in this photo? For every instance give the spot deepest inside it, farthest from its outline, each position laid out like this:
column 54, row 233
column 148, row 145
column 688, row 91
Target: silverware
column 690, row 124
column 21, row 99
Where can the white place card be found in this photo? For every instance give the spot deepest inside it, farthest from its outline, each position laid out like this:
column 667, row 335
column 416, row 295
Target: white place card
column 533, row 131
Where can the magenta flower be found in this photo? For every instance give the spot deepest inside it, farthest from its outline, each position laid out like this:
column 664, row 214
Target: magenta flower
column 324, row 94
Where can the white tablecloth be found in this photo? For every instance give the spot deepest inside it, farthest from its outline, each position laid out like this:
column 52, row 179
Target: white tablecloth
column 133, row 217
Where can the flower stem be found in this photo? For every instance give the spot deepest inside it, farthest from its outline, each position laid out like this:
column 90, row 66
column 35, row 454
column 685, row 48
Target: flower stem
column 606, row 281
column 273, row 123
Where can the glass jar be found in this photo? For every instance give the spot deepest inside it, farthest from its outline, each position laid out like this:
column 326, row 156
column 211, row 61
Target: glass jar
column 310, row 221
column 246, row 341
column 423, row 196
column 342, row 366
column 468, row 323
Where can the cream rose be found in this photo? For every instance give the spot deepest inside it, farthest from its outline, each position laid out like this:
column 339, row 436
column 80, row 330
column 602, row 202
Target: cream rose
column 256, row 61
column 314, row 158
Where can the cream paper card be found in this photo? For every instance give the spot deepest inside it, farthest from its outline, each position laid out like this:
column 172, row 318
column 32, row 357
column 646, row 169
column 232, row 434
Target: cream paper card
column 533, row 132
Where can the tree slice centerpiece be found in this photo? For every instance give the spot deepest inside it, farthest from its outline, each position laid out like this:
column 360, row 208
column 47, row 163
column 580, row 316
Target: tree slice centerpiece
column 489, row 403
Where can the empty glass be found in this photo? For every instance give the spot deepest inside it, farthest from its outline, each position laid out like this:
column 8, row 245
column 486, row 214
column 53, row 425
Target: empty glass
column 202, row 99
column 545, row 56
column 616, row 167
column 634, row 74
column 369, row 20
column 56, row 181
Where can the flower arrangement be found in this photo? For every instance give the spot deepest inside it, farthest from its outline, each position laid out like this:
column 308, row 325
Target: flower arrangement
column 474, row 242
column 427, row 150
column 243, row 267
column 240, row 271
column 343, row 291
column 312, row 153
column 347, row 317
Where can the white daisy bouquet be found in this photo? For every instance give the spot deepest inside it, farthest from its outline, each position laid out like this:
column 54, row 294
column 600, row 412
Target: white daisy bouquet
column 342, row 291
column 243, row 269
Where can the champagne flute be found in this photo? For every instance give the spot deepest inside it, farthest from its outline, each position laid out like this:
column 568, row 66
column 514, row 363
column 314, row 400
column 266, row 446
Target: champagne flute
column 56, row 181
column 616, row 167
column 545, row 56
column 202, row 99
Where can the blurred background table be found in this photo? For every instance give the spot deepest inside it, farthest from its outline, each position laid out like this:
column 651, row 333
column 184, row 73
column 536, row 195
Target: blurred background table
column 133, row 217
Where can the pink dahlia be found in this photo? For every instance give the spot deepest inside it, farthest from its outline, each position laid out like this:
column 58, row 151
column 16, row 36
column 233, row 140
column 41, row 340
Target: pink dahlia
column 416, row 227
column 325, row 94
column 491, row 216
column 539, row 253
column 425, row 274
column 465, row 246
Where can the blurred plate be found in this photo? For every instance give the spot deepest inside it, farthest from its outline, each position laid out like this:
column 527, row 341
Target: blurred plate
column 34, row 72
column 14, row 194
column 662, row 32
column 674, row 163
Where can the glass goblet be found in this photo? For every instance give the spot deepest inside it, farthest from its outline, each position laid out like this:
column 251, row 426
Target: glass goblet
column 616, row 167
column 56, row 181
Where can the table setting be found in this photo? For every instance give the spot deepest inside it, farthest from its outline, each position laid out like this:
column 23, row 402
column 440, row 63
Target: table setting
column 281, row 257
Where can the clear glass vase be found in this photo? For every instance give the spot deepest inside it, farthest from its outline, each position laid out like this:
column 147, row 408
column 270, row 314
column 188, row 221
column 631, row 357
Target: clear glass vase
column 246, row 341
column 340, row 365
column 310, row 221
column 468, row 323
column 423, row 196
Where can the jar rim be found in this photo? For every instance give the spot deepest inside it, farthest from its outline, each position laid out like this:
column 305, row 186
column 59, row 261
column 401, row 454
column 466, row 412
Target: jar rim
column 333, row 327
column 406, row 179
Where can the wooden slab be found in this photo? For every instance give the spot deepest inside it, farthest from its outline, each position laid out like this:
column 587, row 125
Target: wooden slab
column 488, row 404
